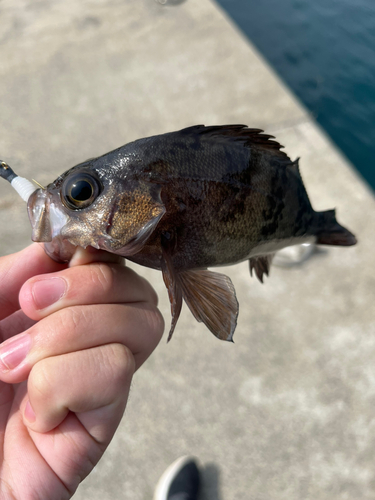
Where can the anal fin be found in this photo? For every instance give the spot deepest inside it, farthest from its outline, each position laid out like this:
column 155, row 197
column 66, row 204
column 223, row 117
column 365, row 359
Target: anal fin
column 261, row 265
column 211, row 298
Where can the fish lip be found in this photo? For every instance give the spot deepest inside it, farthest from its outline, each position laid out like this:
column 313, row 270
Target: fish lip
column 38, row 207
column 46, row 217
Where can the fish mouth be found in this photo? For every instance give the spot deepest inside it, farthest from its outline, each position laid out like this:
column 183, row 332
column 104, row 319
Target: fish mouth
column 46, row 218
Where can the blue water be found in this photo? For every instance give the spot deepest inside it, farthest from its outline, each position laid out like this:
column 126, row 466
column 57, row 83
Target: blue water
column 325, row 51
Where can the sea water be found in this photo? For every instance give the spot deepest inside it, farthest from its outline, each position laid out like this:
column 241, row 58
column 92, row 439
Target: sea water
column 325, row 51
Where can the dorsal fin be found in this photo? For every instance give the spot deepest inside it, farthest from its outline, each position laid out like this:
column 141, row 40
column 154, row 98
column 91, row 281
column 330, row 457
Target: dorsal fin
column 249, row 136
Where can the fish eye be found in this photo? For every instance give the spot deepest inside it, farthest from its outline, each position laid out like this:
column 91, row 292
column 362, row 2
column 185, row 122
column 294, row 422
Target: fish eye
column 80, row 191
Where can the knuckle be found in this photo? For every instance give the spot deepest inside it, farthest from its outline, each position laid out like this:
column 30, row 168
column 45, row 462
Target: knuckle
column 154, row 320
column 149, row 291
column 40, row 382
column 122, row 364
column 101, row 276
column 159, row 323
column 153, row 295
column 73, row 318
column 145, row 289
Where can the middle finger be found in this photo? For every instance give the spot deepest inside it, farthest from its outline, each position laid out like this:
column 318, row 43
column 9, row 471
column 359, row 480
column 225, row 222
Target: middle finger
column 138, row 326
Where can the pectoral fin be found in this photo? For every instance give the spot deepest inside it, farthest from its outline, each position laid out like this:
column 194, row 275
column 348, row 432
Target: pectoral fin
column 174, row 290
column 261, row 265
column 211, row 298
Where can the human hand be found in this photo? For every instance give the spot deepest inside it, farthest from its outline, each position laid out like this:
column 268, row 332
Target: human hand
column 66, row 368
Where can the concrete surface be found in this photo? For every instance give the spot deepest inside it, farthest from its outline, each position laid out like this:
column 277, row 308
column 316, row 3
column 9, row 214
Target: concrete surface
column 287, row 412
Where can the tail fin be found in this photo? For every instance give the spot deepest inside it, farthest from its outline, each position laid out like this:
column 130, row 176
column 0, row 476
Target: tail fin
column 330, row 232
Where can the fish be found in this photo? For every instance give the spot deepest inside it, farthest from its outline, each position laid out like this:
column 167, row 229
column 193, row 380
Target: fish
column 181, row 202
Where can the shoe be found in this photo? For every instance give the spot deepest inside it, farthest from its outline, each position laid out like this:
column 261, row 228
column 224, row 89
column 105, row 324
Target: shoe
column 180, row 481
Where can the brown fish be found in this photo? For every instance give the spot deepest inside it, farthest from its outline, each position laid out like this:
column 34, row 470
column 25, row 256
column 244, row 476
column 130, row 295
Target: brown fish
column 184, row 201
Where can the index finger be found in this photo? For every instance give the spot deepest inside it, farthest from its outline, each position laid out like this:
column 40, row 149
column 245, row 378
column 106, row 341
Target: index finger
column 17, row 268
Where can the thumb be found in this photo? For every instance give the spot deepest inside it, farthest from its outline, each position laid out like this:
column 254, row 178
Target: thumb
column 83, row 256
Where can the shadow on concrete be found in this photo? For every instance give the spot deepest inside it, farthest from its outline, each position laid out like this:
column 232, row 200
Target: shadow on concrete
column 210, row 483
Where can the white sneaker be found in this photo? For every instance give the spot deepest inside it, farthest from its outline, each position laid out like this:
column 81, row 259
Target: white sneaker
column 180, row 481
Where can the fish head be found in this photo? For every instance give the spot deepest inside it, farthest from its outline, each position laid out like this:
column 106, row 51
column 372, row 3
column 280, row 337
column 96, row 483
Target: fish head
column 94, row 207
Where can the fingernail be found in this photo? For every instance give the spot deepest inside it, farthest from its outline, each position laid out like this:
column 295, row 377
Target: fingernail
column 29, row 413
column 47, row 292
column 14, row 351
